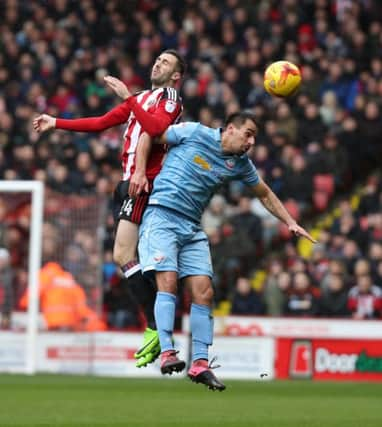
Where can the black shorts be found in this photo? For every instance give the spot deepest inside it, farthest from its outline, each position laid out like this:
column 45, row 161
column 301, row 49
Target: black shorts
column 125, row 207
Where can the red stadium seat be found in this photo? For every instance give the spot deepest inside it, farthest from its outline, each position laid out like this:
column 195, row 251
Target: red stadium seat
column 320, row 200
column 324, row 183
column 293, row 208
column 284, row 233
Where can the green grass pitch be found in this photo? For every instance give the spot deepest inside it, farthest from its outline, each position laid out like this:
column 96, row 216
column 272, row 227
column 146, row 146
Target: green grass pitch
column 50, row 400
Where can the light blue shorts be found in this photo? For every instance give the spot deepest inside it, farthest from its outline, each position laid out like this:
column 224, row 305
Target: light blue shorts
column 169, row 241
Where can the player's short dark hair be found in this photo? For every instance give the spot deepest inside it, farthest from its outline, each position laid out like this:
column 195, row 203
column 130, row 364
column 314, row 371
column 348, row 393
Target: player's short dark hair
column 239, row 118
column 181, row 63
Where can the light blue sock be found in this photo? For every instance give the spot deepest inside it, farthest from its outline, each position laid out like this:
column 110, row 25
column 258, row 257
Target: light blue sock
column 202, row 329
column 164, row 311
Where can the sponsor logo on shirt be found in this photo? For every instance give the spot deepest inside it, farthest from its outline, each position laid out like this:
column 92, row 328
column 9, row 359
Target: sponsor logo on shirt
column 202, row 163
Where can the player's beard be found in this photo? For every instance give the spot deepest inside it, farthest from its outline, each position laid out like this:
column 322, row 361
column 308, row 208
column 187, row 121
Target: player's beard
column 162, row 79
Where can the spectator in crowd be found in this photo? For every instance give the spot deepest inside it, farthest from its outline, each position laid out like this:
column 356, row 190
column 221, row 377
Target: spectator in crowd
column 377, row 276
column 375, row 257
column 350, row 253
column 302, row 298
column 246, row 300
column 311, row 126
column 336, row 267
column 276, row 288
column 365, row 298
column 328, row 108
column 286, row 122
column 299, row 183
column 319, row 263
column 63, row 302
column 248, row 225
column 369, row 202
column 335, row 160
column 333, row 303
column 214, row 216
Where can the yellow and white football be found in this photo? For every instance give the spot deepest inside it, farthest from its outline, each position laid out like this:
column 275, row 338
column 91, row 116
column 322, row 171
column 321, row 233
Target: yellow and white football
column 282, row 78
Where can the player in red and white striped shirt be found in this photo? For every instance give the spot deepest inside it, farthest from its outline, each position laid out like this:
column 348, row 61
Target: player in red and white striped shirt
column 150, row 111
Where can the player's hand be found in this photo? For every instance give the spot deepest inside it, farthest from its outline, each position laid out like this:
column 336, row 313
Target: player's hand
column 138, row 184
column 299, row 231
column 118, row 87
column 43, row 123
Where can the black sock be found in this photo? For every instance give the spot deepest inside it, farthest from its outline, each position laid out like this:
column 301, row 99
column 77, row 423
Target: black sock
column 145, row 292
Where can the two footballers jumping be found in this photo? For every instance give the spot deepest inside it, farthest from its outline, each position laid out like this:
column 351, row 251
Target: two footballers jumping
column 171, row 226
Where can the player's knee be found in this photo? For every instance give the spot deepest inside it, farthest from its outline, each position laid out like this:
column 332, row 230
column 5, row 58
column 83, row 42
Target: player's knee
column 166, row 283
column 122, row 254
column 208, row 295
column 204, row 296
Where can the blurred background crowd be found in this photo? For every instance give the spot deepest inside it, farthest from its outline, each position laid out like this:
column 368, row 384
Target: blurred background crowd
column 319, row 150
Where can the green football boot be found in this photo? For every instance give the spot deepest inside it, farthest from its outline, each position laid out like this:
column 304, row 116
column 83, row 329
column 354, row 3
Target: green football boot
column 148, row 358
column 150, row 342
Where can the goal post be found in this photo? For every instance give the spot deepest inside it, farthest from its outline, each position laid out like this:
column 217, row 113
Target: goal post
column 36, row 188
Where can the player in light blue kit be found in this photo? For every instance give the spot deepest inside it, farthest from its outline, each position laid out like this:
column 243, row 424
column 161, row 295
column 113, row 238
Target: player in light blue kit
column 172, row 242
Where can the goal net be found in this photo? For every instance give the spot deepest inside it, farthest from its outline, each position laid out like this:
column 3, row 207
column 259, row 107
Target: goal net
column 40, row 228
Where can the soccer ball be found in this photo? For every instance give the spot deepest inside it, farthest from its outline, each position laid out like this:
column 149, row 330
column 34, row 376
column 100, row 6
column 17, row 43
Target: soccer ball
column 282, row 78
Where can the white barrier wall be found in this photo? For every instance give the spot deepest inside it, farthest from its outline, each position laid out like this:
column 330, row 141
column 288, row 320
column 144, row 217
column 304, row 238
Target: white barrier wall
column 110, row 354
column 104, row 353
column 247, row 348
column 12, row 352
column 244, row 358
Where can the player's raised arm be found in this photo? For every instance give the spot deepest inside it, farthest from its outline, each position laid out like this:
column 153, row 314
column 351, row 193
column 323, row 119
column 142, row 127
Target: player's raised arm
column 274, row 205
column 156, row 122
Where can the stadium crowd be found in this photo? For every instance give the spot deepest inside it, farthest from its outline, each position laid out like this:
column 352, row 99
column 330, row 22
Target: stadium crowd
column 312, row 149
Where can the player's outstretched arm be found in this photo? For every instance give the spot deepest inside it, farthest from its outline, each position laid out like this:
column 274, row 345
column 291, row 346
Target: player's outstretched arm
column 114, row 117
column 274, row 205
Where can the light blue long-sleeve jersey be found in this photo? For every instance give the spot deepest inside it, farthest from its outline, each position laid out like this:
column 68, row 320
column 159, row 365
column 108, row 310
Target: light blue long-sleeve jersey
column 195, row 168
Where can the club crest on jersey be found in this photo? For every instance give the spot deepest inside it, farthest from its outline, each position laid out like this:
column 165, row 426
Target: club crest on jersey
column 170, row 106
column 230, row 163
column 158, row 258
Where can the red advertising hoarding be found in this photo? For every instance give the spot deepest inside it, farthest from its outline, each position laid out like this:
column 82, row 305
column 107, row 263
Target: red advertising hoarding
column 329, row 359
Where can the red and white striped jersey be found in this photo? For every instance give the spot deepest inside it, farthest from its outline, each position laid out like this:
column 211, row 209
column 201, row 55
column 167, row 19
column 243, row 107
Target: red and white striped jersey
column 151, row 111
column 163, row 103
